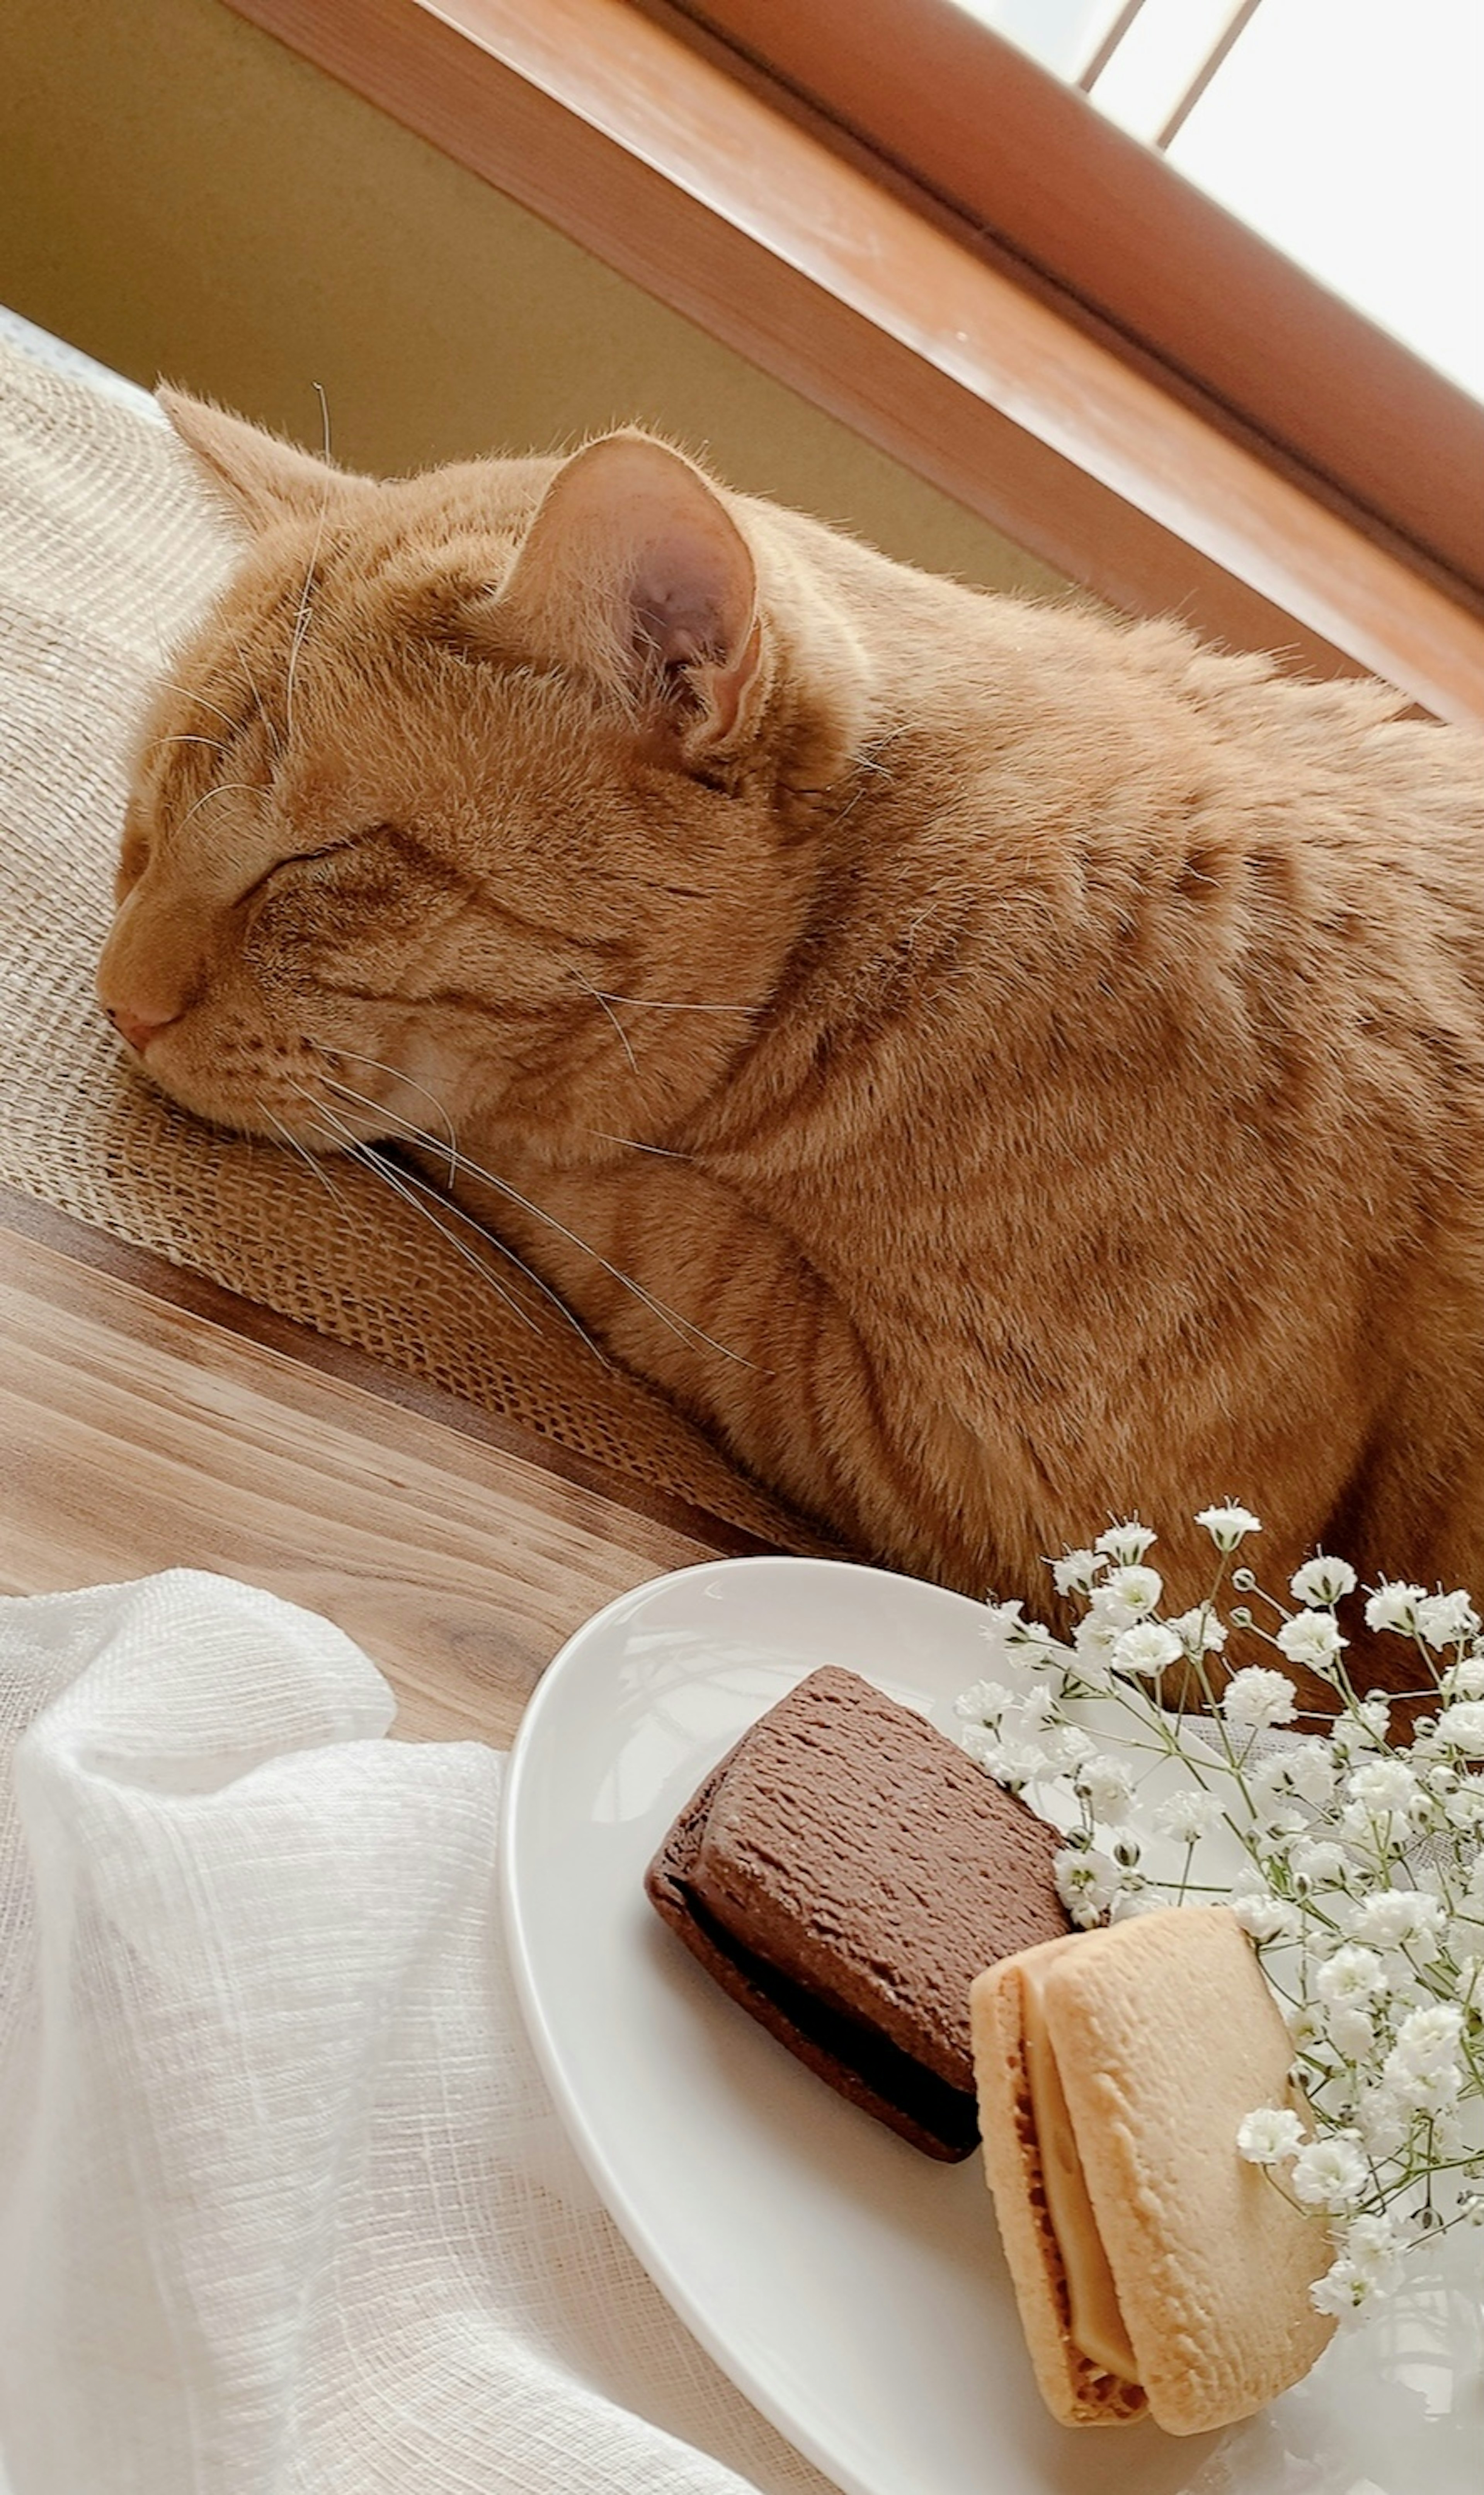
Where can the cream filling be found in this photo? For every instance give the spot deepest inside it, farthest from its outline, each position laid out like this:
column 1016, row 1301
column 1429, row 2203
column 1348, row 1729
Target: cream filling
column 1097, row 2326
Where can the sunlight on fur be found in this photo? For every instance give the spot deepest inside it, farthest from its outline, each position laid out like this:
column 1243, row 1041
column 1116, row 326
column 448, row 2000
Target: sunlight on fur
column 991, row 1067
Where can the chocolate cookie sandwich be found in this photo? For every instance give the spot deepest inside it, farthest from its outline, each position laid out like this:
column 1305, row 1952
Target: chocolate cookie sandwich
column 845, row 1873
column 1156, row 2270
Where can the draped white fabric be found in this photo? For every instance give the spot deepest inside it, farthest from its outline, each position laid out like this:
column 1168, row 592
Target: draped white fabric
column 284, row 2210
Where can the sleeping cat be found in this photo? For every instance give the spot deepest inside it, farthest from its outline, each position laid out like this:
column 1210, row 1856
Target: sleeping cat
column 1039, row 1062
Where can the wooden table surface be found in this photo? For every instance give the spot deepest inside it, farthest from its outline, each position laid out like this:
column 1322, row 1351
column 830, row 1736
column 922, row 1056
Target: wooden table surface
column 149, row 1421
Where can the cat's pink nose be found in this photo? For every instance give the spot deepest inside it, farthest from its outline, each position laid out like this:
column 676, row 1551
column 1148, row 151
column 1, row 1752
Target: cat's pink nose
column 133, row 1028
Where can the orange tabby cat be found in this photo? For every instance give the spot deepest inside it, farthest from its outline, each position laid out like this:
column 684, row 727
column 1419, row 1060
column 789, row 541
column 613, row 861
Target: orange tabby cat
column 1082, row 1107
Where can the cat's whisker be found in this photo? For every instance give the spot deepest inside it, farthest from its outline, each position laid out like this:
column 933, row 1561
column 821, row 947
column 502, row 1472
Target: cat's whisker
column 223, row 789
column 358, row 1150
column 632, row 1143
column 218, row 744
column 312, row 1160
column 665, row 1004
column 607, row 1004
column 677, row 1324
column 301, row 620
column 190, row 695
column 405, row 1186
column 397, row 1076
column 252, row 687
column 493, row 1239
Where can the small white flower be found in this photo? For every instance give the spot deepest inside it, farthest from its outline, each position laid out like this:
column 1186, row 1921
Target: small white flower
column 1138, row 1588
column 1382, row 1785
column 1124, row 1544
column 1464, row 1679
column 1229, row 1525
column 1319, row 1862
column 1037, row 1710
column 1322, row 1581
column 1200, row 1632
column 1461, row 1727
column 1350, row 2031
column 1076, row 1572
column 984, row 1746
column 985, row 1703
column 1374, row 1714
column 1312, row 1638
column 1309, row 1770
column 1394, row 1606
column 1446, row 1619
column 1354, row 1976
column 1188, row 1817
column 1108, row 1789
column 1093, row 1644
column 1427, row 2039
column 1329, row 2174
column 1267, row 1919
column 1087, row 1883
column 1394, row 1918
column 1147, row 1647
column 1254, row 1699
column 1066, row 1746
column 1270, row 2133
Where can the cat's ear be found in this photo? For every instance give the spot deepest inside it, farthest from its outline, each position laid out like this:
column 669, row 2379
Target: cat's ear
column 263, row 479
column 635, row 572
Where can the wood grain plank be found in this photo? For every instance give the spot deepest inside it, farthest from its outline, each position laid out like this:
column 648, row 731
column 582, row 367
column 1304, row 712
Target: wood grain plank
column 138, row 1436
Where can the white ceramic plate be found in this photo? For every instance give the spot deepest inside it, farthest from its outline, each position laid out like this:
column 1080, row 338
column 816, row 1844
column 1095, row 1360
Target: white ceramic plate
column 851, row 2287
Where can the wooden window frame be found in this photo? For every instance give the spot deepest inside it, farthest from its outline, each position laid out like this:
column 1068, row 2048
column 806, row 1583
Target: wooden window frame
column 1127, row 241
column 814, row 249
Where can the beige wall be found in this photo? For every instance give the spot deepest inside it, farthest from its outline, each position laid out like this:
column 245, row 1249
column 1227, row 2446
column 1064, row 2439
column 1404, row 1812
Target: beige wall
column 180, row 196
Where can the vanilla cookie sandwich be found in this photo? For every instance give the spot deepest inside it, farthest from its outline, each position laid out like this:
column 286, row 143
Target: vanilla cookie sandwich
column 1157, row 2271
column 844, row 1873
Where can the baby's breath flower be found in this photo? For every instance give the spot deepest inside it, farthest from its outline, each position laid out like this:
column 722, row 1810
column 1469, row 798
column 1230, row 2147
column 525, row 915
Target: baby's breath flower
column 1076, row 1572
column 1350, row 2031
column 1087, row 1883
column 1361, row 1874
column 1107, row 1788
column 1383, row 1785
column 1187, row 1816
column 1464, row 1679
column 1200, row 1632
column 1309, row 1770
column 1461, row 1727
column 1256, row 1699
column 1093, row 1644
column 1312, row 1638
column 1138, row 1588
column 1329, row 2174
column 1147, row 1647
column 1267, row 1918
column 985, row 1703
column 1229, row 1525
column 1354, row 1976
column 1427, row 2039
column 1394, row 1606
column 1270, row 2133
column 1446, row 1619
column 1322, row 1581
column 1397, row 1918
column 1124, row 1544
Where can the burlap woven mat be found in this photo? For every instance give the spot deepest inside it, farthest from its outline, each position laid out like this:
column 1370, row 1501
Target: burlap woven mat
column 107, row 549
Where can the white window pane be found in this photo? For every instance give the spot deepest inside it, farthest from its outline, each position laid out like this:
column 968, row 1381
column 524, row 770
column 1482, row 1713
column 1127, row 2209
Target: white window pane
column 1062, row 35
column 1350, row 132
column 1160, row 59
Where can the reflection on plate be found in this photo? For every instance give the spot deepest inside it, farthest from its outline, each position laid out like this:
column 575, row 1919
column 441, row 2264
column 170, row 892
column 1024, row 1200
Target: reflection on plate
column 851, row 2287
